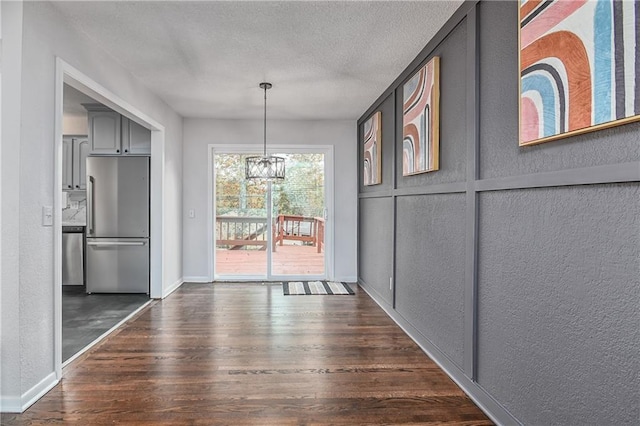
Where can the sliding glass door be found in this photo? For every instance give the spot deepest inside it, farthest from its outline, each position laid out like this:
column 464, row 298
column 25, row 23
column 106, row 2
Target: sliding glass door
column 241, row 227
column 269, row 230
column 298, row 217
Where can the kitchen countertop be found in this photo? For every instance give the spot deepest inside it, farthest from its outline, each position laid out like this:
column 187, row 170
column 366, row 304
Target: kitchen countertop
column 68, row 223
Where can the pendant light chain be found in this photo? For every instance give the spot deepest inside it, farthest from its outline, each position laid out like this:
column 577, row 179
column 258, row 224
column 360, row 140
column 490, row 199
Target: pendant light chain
column 265, row 167
column 265, row 120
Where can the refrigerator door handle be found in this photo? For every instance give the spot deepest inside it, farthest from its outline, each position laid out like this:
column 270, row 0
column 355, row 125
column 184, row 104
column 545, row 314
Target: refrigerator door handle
column 90, row 205
column 116, row 243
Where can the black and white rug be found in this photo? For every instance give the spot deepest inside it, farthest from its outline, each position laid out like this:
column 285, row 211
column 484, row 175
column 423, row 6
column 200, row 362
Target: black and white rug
column 301, row 288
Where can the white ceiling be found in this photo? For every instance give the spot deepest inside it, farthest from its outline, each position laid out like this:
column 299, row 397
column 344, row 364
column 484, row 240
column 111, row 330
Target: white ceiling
column 326, row 59
column 72, row 101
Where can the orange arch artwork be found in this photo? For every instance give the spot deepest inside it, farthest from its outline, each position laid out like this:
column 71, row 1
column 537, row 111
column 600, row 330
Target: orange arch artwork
column 579, row 67
column 372, row 150
column 421, row 120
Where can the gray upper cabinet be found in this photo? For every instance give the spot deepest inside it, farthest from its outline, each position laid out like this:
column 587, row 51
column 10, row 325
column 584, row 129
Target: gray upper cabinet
column 112, row 134
column 75, row 150
column 67, row 162
column 81, row 149
column 104, row 131
column 136, row 140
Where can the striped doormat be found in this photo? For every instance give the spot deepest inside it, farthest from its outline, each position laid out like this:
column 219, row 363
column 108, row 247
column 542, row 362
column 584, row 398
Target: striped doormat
column 301, row 288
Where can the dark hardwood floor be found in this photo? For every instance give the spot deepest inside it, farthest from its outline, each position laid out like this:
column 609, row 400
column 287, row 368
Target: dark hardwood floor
column 245, row 354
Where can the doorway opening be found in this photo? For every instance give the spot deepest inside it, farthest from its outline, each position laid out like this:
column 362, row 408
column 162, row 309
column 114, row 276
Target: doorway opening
column 271, row 230
column 88, row 314
column 71, row 202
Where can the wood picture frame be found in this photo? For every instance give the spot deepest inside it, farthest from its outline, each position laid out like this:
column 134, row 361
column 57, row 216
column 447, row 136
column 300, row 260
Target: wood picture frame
column 372, row 156
column 421, row 120
column 577, row 64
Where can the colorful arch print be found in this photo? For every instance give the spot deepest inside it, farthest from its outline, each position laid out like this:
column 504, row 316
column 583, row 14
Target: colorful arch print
column 372, row 150
column 420, row 120
column 579, row 67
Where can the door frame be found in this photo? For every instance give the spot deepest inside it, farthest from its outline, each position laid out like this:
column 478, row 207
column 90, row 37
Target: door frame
column 327, row 150
column 66, row 73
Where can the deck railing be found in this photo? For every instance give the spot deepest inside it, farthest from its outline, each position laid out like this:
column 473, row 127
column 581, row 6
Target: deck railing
column 295, row 228
column 238, row 232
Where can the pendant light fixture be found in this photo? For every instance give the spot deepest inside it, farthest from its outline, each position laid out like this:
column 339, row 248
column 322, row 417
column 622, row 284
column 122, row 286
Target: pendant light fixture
column 266, row 166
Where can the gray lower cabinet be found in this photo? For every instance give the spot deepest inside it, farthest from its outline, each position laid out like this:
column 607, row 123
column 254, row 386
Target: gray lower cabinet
column 72, row 255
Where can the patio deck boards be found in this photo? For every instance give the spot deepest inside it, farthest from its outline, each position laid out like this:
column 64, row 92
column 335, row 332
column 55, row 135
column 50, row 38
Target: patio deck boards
column 287, row 260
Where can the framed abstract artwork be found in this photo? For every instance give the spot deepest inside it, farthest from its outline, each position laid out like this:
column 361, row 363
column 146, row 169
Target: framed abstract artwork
column 421, row 120
column 373, row 150
column 579, row 67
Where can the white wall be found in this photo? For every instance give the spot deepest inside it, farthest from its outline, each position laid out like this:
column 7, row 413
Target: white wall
column 9, row 230
column 46, row 35
column 75, row 124
column 199, row 133
column 172, row 193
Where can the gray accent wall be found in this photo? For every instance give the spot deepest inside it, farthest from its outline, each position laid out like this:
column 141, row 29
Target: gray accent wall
column 387, row 108
column 374, row 259
column 558, row 317
column 499, row 156
column 517, row 269
column 430, row 251
column 453, row 66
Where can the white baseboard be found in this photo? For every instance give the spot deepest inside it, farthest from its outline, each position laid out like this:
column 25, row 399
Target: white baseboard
column 173, row 287
column 348, row 279
column 38, row 391
column 196, row 279
column 10, row 404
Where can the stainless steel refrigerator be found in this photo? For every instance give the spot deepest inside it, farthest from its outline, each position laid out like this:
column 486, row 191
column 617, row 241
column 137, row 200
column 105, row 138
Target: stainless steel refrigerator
column 117, row 225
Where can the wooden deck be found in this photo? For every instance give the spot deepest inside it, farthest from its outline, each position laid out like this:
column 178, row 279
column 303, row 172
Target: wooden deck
column 244, row 354
column 287, row 260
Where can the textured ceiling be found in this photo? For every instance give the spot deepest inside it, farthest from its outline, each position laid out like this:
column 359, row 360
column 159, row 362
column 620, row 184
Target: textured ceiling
column 326, row 59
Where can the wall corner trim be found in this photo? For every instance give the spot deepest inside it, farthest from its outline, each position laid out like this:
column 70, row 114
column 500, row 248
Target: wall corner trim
column 493, row 409
column 173, row 287
column 38, row 391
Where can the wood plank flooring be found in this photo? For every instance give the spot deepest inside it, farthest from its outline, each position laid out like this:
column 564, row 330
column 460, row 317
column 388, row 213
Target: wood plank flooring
column 230, row 354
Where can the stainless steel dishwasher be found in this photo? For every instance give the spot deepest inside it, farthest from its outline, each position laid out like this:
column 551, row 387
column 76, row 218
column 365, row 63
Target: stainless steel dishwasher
column 73, row 255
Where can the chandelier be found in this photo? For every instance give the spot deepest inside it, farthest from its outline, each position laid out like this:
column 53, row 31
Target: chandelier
column 265, row 166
